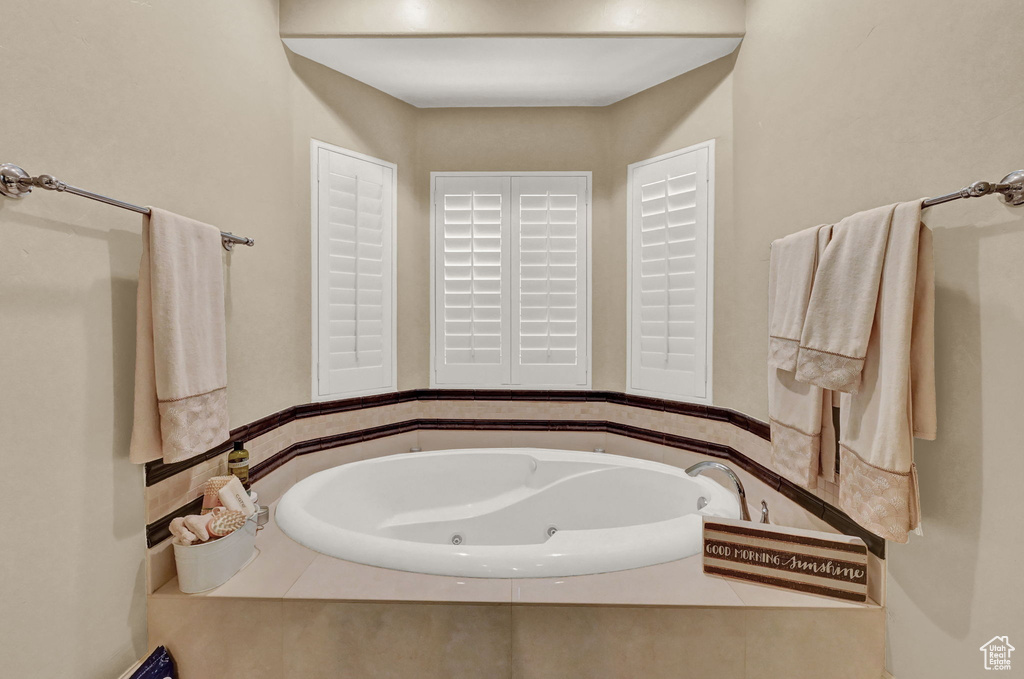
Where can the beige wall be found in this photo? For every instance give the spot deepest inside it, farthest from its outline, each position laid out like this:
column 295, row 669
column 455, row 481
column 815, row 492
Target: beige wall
column 830, row 108
column 196, row 107
column 845, row 106
column 511, row 17
column 215, row 94
column 513, row 139
column 689, row 109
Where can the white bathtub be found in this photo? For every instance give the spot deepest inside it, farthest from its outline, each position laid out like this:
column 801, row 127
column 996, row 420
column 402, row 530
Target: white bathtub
column 503, row 513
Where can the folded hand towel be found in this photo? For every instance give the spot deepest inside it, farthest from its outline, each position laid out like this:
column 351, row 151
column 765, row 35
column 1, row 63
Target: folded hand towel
column 841, row 308
column 793, row 262
column 800, row 420
column 180, row 360
column 800, row 415
column 896, row 400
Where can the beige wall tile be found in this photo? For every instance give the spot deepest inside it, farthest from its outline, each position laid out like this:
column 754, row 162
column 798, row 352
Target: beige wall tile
column 800, row 643
column 376, row 417
column 312, row 463
column 630, row 447
column 753, row 446
column 159, row 566
column 328, row 640
column 442, row 439
column 876, row 579
column 561, row 642
column 219, row 637
column 173, row 491
column 431, row 409
column 559, row 440
column 678, row 583
column 391, row 445
column 338, row 423
column 271, row 487
column 308, row 428
column 330, row 578
column 289, row 434
column 677, row 457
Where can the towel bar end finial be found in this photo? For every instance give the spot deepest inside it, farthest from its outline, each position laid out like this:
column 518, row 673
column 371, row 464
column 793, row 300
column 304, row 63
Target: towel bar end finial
column 1012, row 188
column 14, row 181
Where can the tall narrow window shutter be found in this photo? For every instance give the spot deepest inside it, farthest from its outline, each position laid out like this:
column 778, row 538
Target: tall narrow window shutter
column 355, row 232
column 549, row 274
column 669, row 275
column 471, row 224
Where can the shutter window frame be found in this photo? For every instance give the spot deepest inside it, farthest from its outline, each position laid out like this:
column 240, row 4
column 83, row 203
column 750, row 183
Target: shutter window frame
column 522, row 366
column 669, row 350
column 467, row 322
column 357, row 299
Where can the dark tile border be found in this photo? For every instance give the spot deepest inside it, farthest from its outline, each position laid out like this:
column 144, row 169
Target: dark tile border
column 158, row 471
column 158, row 531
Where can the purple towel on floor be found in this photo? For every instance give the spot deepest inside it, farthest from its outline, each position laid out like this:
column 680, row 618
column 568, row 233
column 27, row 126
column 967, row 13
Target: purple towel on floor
column 159, row 665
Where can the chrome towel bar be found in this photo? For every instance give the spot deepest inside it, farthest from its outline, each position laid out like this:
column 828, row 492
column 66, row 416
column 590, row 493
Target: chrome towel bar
column 16, row 183
column 1011, row 187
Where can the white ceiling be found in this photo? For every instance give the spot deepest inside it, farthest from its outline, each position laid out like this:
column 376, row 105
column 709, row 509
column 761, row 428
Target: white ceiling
column 442, row 72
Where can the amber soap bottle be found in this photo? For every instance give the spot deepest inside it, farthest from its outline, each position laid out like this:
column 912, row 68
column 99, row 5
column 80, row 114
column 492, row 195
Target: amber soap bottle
column 238, row 463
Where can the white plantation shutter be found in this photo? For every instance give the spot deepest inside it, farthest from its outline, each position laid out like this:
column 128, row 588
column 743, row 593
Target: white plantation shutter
column 354, row 232
column 511, row 280
column 549, row 270
column 471, row 328
column 669, row 275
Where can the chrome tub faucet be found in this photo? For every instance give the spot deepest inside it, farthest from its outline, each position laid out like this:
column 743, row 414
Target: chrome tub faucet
column 701, row 467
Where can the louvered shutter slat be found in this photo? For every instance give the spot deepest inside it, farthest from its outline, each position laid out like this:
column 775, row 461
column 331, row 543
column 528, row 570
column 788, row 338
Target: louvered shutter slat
column 669, row 283
column 471, row 263
column 549, row 306
column 355, row 208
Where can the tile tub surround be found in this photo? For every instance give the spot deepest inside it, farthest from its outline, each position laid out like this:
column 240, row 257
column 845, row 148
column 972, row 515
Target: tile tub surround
column 309, row 639
column 286, row 568
column 308, row 430
column 321, row 616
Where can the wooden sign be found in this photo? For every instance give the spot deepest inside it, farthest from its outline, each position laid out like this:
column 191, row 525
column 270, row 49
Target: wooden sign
column 807, row 561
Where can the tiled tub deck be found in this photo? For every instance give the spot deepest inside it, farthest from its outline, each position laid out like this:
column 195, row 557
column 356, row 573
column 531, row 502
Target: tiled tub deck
column 311, row 615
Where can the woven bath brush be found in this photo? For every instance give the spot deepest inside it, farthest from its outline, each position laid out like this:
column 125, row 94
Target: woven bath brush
column 226, row 522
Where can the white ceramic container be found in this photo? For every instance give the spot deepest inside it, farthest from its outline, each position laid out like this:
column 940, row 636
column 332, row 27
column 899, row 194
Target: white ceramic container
column 207, row 565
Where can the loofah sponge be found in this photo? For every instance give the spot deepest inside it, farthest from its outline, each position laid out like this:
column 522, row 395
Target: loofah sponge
column 199, row 525
column 210, row 497
column 181, row 533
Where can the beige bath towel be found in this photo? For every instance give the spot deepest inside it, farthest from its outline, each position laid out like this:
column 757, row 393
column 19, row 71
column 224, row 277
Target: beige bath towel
column 800, row 415
column 180, row 350
column 800, row 419
column 841, row 308
column 896, row 399
column 793, row 262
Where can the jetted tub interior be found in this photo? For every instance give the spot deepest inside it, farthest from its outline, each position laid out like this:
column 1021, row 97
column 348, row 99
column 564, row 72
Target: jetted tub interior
column 503, row 513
